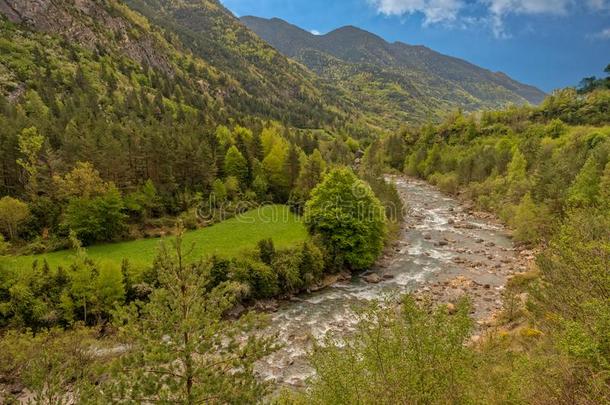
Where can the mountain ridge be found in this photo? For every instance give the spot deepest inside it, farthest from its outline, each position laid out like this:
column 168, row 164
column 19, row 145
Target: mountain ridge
column 448, row 82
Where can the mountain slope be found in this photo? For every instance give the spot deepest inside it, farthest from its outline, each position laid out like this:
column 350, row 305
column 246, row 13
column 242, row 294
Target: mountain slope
column 211, row 32
column 224, row 62
column 397, row 80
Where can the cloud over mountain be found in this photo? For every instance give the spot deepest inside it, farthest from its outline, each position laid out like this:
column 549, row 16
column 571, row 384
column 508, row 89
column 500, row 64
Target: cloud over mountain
column 493, row 12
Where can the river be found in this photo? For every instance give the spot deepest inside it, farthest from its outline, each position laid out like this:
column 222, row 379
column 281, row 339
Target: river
column 444, row 248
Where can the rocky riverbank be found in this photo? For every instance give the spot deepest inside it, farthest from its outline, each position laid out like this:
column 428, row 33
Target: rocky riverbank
column 445, row 250
column 481, row 268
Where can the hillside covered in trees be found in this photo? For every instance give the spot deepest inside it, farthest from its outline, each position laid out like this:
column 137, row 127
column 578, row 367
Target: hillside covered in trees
column 394, row 82
column 130, row 129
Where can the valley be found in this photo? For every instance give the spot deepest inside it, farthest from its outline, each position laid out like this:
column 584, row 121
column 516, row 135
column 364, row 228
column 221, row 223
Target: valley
column 198, row 207
column 443, row 252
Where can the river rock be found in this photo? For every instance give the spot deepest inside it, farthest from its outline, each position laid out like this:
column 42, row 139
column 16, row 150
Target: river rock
column 427, row 236
column 270, row 305
column 372, row 278
column 442, row 243
column 388, row 277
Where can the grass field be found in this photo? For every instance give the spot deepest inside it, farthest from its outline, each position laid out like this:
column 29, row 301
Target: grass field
column 227, row 238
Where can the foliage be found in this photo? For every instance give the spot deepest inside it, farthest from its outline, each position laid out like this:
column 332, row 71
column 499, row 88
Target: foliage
column 349, row 218
column 13, row 213
column 51, row 362
column 412, row 357
column 99, row 219
column 181, row 349
column 236, row 165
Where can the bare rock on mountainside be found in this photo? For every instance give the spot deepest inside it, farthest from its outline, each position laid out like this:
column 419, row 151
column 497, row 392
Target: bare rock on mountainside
column 88, row 23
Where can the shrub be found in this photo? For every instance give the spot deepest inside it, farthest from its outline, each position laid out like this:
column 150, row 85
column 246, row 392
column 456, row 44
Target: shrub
column 447, row 183
column 411, row 357
column 261, row 278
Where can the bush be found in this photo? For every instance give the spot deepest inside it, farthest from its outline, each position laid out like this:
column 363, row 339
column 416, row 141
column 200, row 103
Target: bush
column 286, row 264
column 448, row 183
column 261, row 278
column 411, row 357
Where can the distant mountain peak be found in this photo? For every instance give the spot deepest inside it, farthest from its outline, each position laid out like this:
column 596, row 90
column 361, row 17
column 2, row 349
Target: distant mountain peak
column 413, row 80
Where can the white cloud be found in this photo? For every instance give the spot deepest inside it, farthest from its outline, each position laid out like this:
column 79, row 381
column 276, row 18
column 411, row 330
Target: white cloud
column 603, row 34
column 599, row 5
column 494, row 11
column 501, row 7
column 434, row 11
column 315, row 32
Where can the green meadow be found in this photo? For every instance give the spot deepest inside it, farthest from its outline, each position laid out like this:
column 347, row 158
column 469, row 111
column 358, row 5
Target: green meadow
column 227, row 238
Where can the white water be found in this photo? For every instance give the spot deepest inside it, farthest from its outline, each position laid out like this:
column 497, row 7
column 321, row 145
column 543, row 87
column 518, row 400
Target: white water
column 417, row 258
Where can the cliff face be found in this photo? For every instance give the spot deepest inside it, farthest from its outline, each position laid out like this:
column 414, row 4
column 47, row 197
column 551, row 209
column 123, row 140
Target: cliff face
column 91, row 24
column 199, row 44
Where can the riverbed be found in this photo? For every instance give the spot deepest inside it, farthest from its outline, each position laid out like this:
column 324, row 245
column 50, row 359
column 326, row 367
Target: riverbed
column 444, row 250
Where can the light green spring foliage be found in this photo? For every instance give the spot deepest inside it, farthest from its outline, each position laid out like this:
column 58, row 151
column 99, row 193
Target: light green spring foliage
column 55, row 365
column 180, row 349
column 13, row 213
column 236, row 165
column 344, row 211
column 403, row 355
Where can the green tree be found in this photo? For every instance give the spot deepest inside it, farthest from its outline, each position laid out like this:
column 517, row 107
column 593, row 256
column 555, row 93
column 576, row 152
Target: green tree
column 109, row 291
column 236, row 165
column 13, row 213
column 311, row 174
column 274, row 165
column 182, row 350
column 530, row 221
column 409, row 355
column 96, row 219
column 585, row 189
column 82, row 181
column 351, row 221
column 30, row 145
column 219, row 192
column 516, row 176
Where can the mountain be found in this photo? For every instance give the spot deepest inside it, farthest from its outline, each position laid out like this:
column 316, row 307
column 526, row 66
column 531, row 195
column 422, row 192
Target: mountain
column 394, row 80
column 200, row 45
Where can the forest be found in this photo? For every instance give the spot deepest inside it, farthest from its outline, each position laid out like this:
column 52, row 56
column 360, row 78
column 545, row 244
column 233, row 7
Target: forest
column 168, row 180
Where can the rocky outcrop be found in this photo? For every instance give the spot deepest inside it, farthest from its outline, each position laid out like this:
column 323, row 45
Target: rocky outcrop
column 93, row 24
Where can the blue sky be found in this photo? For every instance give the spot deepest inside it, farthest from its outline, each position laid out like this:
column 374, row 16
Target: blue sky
column 547, row 43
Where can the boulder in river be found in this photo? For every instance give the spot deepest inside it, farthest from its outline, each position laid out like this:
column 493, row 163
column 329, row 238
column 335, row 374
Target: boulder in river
column 372, row 278
column 269, row 305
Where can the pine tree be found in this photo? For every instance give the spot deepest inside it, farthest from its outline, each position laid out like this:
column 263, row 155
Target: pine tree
column 236, row 165
column 182, row 351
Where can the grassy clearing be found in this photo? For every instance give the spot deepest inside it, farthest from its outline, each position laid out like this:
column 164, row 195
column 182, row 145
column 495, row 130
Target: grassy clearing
column 228, row 238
